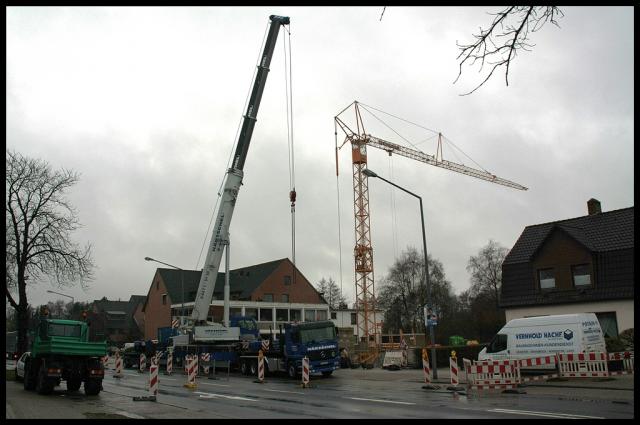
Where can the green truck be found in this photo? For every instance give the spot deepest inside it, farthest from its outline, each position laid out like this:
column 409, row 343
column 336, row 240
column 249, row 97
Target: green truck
column 61, row 351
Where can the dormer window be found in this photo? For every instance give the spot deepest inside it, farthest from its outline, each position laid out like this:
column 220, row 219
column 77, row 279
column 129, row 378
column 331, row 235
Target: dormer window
column 581, row 275
column 547, row 279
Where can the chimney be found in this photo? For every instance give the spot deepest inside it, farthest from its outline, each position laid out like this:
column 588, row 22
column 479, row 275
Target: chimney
column 593, row 206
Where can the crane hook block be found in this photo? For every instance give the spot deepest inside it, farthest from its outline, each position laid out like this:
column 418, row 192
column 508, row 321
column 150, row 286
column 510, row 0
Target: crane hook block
column 292, row 196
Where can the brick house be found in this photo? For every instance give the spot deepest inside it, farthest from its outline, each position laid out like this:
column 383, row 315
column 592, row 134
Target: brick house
column 273, row 293
column 578, row 265
column 117, row 321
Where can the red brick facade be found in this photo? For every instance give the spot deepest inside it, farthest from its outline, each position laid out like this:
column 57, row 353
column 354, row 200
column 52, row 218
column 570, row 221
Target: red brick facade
column 157, row 310
column 280, row 282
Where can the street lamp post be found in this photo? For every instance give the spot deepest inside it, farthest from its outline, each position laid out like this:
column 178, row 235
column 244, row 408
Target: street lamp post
column 64, row 295
column 181, row 283
column 370, row 173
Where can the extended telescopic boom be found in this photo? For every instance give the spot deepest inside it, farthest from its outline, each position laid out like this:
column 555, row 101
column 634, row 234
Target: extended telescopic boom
column 220, row 236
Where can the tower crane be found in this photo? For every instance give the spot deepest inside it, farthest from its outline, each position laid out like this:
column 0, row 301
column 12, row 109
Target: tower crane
column 363, row 251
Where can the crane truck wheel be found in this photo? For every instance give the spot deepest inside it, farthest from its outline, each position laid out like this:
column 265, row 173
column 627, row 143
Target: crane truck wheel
column 44, row 384
column 254, row 368
column 29, row 382
column 244, row 367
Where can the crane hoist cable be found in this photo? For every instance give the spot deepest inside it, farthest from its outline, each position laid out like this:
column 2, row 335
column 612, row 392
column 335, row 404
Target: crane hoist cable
column 290, row 145
column 335, row 131
column 219, row 193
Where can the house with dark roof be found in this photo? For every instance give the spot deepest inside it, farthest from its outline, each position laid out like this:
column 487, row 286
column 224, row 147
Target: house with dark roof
column 117, row 321
column 577, row 265
column 273, row 293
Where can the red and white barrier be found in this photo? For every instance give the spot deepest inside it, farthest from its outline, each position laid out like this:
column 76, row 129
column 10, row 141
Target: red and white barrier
column 153, row 380
column 191, row 363
column 206, row 358
column 627, row 358
column 537, row 361
column 264, row 345
column 143, row 363
column 583, row 365
column 105, row 360
column 426, row 370
column 453, row 368
column 118, row 373
column 169, row 363
column 260, row 366
column 305, row 372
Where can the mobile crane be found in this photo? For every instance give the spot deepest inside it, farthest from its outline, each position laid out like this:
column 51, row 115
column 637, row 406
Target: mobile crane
column 240, row 343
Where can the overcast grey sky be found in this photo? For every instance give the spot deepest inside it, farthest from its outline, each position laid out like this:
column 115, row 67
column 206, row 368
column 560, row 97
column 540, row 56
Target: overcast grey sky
column 145, row 102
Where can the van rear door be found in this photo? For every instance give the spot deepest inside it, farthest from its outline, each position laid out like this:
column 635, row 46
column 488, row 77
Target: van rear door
column 592, row 337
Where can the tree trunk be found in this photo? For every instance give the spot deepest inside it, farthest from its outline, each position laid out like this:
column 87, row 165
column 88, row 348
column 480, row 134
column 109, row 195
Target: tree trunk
column 23, row 328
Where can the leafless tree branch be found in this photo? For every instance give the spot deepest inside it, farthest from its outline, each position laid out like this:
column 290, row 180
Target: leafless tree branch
column 498, row 46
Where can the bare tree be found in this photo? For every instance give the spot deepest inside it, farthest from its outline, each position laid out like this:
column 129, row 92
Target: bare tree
column 331, row 293
column 508, row 33
column 486, row 271
column 39, row 224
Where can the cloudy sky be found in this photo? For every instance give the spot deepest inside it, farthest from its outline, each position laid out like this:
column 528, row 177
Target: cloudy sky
column 145, row 103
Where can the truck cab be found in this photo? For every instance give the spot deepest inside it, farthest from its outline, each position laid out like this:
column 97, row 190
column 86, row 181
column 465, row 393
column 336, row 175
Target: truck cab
column 315, row 340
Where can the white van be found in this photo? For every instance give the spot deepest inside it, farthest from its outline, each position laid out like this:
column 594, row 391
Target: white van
column 545, row 336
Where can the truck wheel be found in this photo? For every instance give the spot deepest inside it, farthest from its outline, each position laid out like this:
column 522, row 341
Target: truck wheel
column 92, row 386
column 244, row 367
column 254, row 368
column 28, row 382
column 44, row 385
column 292, row 371
column 73, row 384
column 327, row 373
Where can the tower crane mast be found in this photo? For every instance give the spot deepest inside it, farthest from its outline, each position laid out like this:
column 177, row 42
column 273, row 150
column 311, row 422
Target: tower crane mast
column 363, row 251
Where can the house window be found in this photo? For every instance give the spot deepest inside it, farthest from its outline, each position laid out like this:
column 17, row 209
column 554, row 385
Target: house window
column 608, row 324
column 235, row 311
column 285, row 298
column 266, row 314
column 251, row 312
column 321, row 314
column 354, row 319
column 282, row 315
column 547, row 279
column 295, row 315
column 287, row 280
column 310, row 315
column 581, row 275
column 164, row 299
column 268, row 298
column 333, row 315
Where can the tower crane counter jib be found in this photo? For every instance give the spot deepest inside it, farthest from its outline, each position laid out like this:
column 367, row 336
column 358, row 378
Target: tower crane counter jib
column 233, row 181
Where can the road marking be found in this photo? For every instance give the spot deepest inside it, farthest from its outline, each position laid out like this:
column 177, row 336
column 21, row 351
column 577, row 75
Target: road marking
column 545, row 414
column 130, row 415
column 217, row 385
column 288, row 392
column 380, row 401
column 232, row 397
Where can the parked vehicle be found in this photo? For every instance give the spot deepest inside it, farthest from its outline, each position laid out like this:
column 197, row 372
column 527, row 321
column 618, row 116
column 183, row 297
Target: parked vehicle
column 286, row 349
column 11, row 346
column 544, row 336
column 61, row 351
column 20, row 366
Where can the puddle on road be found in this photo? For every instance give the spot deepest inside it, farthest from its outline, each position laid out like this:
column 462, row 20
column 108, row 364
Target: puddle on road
column 101, row 415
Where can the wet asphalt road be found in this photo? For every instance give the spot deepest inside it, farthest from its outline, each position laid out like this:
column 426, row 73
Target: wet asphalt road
column 347, row 394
